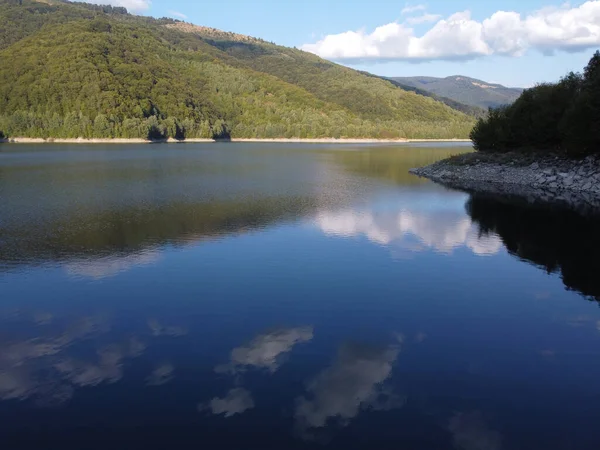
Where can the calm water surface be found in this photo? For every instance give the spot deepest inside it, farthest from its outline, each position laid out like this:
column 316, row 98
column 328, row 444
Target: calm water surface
column 251, row 296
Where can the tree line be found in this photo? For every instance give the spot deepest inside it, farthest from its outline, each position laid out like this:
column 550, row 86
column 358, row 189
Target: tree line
column 561, row 117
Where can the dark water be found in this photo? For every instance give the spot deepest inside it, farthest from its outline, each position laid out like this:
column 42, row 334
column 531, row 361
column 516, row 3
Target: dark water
column 287, row 297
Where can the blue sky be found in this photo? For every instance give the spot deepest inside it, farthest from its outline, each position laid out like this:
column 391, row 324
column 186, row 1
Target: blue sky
column 534, row 40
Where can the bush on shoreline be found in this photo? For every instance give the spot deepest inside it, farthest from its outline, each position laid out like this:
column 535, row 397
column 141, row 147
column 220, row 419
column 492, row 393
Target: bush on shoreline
column 563, row 117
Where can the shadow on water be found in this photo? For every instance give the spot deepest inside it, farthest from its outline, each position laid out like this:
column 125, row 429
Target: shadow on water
column 557, row 239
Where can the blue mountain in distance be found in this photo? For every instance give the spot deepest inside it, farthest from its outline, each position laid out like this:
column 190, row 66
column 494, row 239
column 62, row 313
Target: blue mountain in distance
column 466, row 90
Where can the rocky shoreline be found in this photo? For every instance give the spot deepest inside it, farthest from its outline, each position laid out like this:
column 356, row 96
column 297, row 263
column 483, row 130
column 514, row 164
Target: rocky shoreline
column 535, row 178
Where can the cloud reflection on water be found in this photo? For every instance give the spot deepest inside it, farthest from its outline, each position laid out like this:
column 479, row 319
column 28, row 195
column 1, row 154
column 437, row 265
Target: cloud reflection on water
column 107, row 369
column 237, row 401
column 47, row 369
column 159, row 330
column 443, row 231
column 30, row 367
column 110, row 266
column 265, row 350
column 352, row 383
column 161, row 375
column 471, row 432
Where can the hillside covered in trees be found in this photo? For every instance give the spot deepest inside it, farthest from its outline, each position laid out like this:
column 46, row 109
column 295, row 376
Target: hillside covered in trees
column 563, row 117
column 78, row 70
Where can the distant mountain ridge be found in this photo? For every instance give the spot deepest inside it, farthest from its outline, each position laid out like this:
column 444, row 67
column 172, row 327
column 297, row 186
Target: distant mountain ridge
column 466, row 90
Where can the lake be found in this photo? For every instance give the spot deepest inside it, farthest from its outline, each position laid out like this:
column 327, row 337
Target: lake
column 287, row 296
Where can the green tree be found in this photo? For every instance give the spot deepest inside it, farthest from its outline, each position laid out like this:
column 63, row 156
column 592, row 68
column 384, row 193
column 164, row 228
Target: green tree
column 581, row 122
column 156, row 130
column 560, row 117
column 102, row 127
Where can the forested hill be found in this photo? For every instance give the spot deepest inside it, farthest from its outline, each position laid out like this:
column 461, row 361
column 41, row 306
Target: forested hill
column 468, row 91
column 79, row 70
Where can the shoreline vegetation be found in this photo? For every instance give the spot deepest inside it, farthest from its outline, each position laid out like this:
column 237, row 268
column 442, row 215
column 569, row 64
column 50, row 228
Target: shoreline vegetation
column 560, row 118
column 545, row 146
column 23, row 140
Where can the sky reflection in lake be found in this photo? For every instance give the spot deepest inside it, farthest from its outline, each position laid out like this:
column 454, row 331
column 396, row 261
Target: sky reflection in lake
column 442, row 230
column 297, row 297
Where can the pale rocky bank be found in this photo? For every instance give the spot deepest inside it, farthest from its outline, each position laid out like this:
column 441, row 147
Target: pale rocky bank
column 574, row 183
column 26, row 140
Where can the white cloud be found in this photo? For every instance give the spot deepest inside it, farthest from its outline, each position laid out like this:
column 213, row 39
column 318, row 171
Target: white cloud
column 237, row 401
column 443, row 232
column 411, row 9
column 42, row 317
column 565, row 28
column 107, row 369
column 131, row 5
column 20, row 384
column 41, row 368
column 177, row 14
column 424, row 18
column 110, row 266
column 353, row 382
column 161, row 375
column 265, row 350
column 158, row 329
column 420, row 337
column 471, row 432
column 44, row 369
column 16, row 384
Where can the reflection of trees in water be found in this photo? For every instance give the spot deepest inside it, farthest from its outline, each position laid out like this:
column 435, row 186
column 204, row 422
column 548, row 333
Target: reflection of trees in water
column 121, row 233
column 557, row 239
column 393, row 163
column 164, row 207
